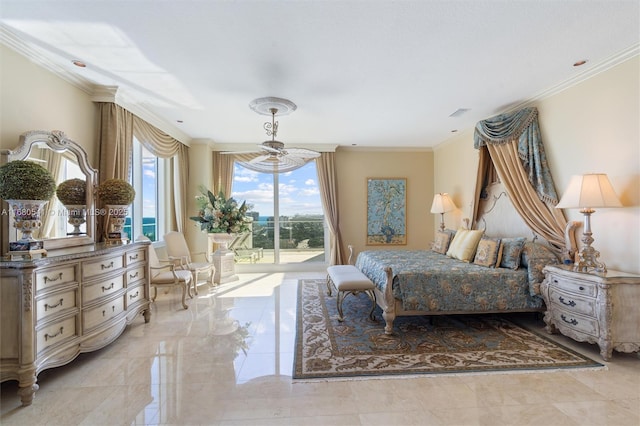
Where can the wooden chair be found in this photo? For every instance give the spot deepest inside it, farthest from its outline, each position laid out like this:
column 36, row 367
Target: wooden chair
column 178, row 252
column 165, row 275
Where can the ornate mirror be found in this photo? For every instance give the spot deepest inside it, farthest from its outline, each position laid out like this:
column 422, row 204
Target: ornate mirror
column 65, row 159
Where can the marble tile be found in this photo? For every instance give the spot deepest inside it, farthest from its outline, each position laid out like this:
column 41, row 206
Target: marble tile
column 182, row 368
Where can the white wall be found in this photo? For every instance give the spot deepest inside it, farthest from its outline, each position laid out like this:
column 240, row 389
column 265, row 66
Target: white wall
column 591, row 127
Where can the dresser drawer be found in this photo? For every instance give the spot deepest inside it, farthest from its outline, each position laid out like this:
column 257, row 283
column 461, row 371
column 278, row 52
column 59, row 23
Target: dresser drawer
column 54, row 303
column 54, row 277
column 575, row 286
column 103, row 313
column 135, row 294
column 102, row 288
column 134, row 275
column 110, row 264
column 55, row 333
column 135, row 256
column 576, row 322
column 570, row 302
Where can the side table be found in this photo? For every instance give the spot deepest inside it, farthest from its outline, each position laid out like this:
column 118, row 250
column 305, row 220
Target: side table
column 600, row 308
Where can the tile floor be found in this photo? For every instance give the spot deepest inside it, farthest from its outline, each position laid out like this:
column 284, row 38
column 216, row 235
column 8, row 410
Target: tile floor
column 178, row 370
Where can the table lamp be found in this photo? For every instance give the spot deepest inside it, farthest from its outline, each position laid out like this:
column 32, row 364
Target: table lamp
column 586, row 192
column 442, row 204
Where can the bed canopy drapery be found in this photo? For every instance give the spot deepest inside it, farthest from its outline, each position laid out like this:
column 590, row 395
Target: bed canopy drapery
column 510, row 147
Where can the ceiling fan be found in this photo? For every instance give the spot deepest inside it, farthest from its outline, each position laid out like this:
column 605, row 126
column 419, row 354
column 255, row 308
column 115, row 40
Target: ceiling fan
column 275, row 158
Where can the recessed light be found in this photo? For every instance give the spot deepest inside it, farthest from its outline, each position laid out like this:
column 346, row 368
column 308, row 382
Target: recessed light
column 78, row 63
column 580, row 63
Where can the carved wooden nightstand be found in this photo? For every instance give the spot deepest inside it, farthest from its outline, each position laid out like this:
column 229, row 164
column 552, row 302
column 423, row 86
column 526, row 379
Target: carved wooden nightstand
column 594, row 307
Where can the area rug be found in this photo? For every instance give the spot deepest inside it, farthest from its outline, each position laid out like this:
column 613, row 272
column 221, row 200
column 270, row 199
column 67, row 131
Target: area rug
column 453, row 344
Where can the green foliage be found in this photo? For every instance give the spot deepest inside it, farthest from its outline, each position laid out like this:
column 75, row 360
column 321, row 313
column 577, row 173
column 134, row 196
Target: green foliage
column 72, row 192
column 25, row 180
column 116, row 192
column 216, row 214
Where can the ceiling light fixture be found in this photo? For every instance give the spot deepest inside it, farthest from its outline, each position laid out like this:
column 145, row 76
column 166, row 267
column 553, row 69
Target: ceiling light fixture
column 274, row 157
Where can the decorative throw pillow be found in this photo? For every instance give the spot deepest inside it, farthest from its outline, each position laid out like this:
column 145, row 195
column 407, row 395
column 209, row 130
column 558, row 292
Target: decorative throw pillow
column 535, row 257
column 511, row 251
column 464, row 244
column 488, row 252
column 441, row 242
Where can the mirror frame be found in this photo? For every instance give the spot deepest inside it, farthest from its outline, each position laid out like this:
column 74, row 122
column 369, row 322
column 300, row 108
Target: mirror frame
column 57, row 141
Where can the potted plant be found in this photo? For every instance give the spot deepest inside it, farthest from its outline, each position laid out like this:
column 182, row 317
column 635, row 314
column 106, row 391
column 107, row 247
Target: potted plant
column 72, row 193
column 116, row 192
column 26, row 186
column 116, row 195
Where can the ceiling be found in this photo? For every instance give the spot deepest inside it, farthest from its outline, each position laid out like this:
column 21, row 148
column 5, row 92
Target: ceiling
column 365, row 73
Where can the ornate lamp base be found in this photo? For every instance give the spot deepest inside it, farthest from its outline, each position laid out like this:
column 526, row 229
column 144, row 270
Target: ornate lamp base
column 588, row 256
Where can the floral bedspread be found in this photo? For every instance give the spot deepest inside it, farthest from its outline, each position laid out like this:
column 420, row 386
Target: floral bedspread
column 428, row 281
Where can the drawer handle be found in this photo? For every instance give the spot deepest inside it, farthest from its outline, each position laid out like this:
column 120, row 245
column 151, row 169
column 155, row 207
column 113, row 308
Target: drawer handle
column 51, row 336
column 131, row 276
column 110, row 265
column 113, row 309
column 133, row 257
column 569, row 303
column 133, row 296
column 53, row 279
column 572, row 322
column 581, row 288
column 107, row 288
column 47, row 306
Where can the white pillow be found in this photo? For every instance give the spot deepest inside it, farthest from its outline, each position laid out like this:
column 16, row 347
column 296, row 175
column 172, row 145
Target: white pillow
column 464, row 244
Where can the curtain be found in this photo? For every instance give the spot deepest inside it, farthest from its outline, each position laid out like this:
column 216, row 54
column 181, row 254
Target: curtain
column 116, row 142
column 513, row 145
column 327, row 181
column 223, row 173
column 164, row 146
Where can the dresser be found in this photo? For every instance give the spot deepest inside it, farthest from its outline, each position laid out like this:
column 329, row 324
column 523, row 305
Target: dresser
column 593, row 307
column 74, row 300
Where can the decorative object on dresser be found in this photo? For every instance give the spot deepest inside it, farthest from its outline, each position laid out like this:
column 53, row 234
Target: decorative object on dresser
column 60, row 156
column 116, row 195
column 72, row 193
column 442, row 203
column 586, row 192
column 597, row 308
column 74, row 300
column 27, row 187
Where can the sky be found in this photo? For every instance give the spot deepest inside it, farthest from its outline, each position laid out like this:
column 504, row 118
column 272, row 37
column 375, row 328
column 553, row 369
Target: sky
column 299, row 192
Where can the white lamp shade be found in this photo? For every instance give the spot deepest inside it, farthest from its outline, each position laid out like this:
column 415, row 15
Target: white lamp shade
column 442, row 203
column 589, row 191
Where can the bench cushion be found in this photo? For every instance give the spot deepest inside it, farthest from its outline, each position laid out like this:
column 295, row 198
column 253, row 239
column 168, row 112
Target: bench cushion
column 348, row 277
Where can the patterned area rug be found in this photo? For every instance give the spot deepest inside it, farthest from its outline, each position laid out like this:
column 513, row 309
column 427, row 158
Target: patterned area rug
column 358, row 347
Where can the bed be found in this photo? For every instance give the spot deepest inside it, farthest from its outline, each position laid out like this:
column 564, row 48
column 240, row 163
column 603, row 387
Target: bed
column 423, row 282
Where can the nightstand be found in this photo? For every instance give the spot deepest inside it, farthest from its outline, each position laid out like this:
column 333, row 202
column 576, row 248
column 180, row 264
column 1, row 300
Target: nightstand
column 602, row 308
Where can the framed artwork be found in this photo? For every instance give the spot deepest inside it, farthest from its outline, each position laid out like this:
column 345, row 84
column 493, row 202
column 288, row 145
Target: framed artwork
column 386, row 211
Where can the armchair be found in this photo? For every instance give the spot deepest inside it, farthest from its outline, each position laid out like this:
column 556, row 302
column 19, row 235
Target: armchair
column 166, row 275
column 178, row 252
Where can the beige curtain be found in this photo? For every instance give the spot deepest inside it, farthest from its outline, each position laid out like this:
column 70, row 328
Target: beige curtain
column 223, row 173
column 164, row 146
column 50, row 215
column 327, row 181
column 542, row 217
column 116, row 141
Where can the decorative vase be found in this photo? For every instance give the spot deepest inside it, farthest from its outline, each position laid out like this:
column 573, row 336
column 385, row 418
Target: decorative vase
column 76, row 217
column 117, row 214
column 26, row 214
column 223, row 240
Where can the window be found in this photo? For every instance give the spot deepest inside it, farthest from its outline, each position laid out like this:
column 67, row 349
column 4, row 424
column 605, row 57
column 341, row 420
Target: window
column 146, row 217
column 288, row 220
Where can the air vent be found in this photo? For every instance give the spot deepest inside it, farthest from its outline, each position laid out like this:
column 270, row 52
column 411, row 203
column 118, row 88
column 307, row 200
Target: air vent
column 459, row 112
